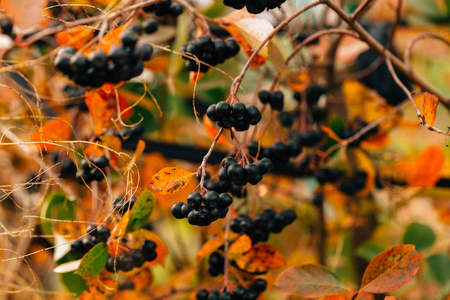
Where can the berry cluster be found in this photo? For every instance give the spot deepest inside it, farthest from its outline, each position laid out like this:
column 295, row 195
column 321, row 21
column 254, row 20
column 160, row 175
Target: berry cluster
column 164, row 8
column 353, row 184
column 327, row 175
column 121, row 205
column 94, row 236
column 239, row 116
column 216, row 264
column 208, row 50
column 239, row 292
column 202, row 210
column 313, row 94
column 252, row 173
column 263, row 224
column 121, row 64
column 134, row 259
column 149, row 26
column 224, row 187
column 68, row 168
column 92, row 171
column 287, row 118
column 253, row 6
column 274, row 99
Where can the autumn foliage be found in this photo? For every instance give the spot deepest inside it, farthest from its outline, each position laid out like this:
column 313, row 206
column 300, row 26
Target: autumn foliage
column 172, row 149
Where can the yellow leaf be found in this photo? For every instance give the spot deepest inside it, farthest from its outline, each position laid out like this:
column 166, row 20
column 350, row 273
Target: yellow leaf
column 428, row 167
column 297, row 80
column 170, row 180
column 241, row 245
column 430, row 103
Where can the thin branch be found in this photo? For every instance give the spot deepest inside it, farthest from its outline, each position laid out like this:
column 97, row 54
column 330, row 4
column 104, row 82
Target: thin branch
column 361, row 10
column 237, row 81
column 202, row 167
column 384, row 53
column 317, row 35
column 411, row 43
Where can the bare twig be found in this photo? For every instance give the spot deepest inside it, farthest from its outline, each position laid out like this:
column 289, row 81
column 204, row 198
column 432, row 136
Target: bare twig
column 359, row 12
column 411, row 43
column 202, row 169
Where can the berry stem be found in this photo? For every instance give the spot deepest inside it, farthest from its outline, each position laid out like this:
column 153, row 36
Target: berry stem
column 237, row 81
column 240, row 148
column 202, row 169
column 226, row 273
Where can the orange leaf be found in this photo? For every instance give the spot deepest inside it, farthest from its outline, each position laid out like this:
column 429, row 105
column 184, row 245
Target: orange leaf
column 210, row 246
column 212, row 131
column 194, row 77
column 159, row 63
column 170, row 180
column 335, row 297
column 101, row 110
column 429, row 107
column 53, row 131
column 95, row 150
column 427, row 169
column 76, row 38
column 99, row 290
column 112, row 38
column 260, row 259
column 390, row 270
column 241, row 245
column 120, row 228
column 391, row 298
column 297, row 80
column 25, row 14
column 331, row 133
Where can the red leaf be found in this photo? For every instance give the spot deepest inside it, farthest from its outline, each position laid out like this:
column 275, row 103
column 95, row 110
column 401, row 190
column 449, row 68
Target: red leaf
column 428, row 167
column 53, row 131
column 309, row 281
column 391, row 270
column 260, row 259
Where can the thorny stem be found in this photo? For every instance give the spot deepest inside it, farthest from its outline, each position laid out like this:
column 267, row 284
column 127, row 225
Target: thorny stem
column 202, row 167
column 237, row 81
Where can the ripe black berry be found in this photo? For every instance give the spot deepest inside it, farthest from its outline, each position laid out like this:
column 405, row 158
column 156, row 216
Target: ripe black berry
column 126, row 262
column 265, row 165
column 194, row 199
column 138, row 257
column 211, row 199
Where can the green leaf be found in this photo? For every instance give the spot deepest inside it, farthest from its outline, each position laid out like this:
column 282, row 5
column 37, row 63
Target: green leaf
column 419, row 235
column 94, row 261
column 55, row 206
column 309, row 281
column 74, row 283
column 391, row 270
column 439, row 268
column 141, row 211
